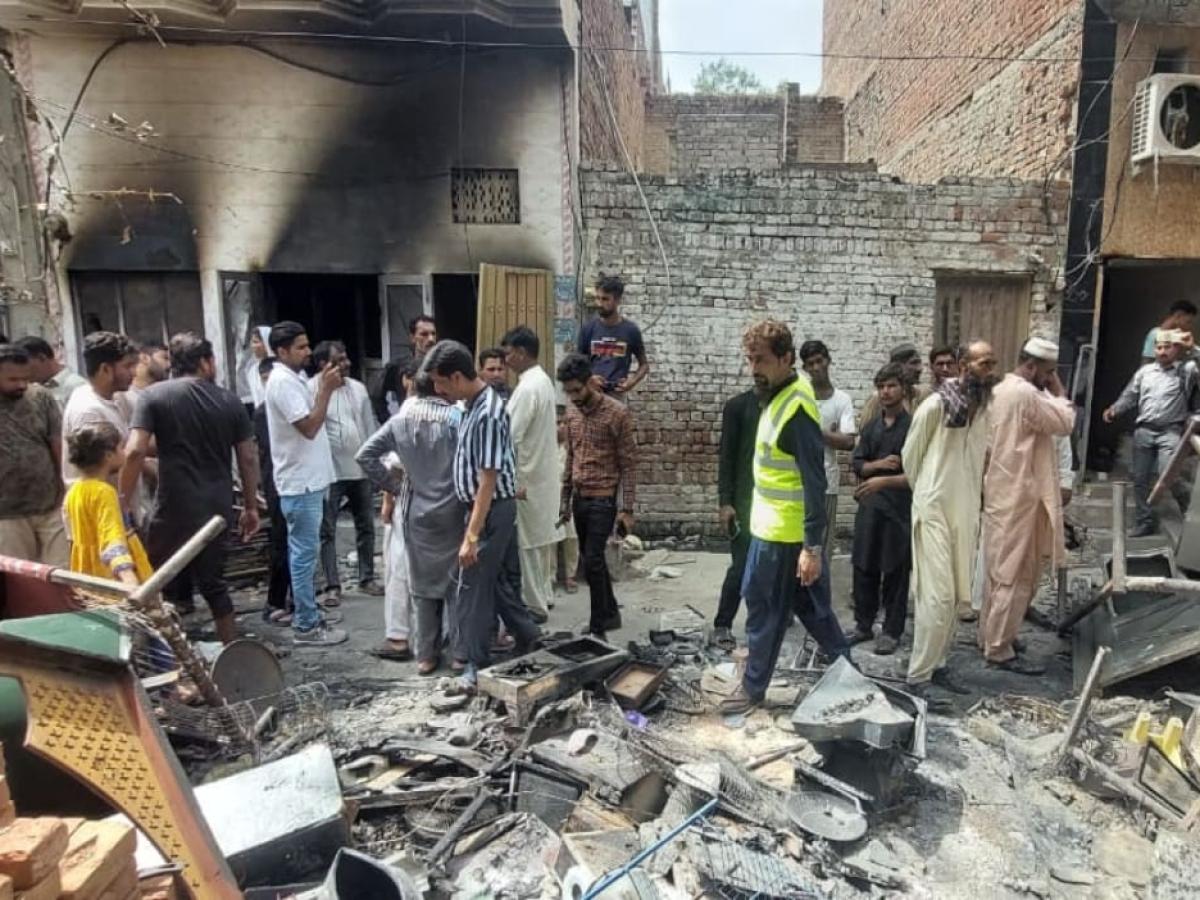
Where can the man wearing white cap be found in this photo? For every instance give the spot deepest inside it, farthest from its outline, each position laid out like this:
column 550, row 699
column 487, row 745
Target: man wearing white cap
column 1022, row 505
column 1164, row 394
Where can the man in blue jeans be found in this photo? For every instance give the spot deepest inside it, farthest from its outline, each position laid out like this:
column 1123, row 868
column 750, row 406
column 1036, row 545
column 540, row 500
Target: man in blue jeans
column 303, row 464
column 787, row 516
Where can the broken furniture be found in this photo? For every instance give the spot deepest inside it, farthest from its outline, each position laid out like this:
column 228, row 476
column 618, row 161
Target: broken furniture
column 1146, row 612
column 635, row 683
column 88, row 714
column 547, row 674
column 615, row 770
column 277, row 823
column 867, row 733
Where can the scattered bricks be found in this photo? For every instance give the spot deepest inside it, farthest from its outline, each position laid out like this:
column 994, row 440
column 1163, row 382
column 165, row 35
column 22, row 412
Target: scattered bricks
column 159, row 887
column 124, row 885
column 30, row 850
column 46, row 889
column 97, row 854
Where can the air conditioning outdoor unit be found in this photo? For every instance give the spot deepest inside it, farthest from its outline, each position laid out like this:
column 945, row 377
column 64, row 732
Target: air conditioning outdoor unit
column 1166, row 120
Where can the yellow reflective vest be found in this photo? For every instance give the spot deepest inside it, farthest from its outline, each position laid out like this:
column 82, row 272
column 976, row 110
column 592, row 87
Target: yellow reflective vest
column 777, row 513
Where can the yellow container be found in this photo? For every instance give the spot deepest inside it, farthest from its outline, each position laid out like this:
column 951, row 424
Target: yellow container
column 1170, row 741
column 1139, row 731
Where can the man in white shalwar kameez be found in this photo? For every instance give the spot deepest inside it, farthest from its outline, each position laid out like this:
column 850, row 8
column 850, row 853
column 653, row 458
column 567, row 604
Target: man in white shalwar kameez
column 1022, row 501
column 532, row 414
column 943, row 458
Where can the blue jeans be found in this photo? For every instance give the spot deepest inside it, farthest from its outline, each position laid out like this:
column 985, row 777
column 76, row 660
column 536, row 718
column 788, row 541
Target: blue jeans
column 303, row 513
column 770, row 591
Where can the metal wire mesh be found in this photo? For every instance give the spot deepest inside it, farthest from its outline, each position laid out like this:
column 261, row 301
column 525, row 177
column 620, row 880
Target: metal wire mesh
column 736, row 872
column 299, row 713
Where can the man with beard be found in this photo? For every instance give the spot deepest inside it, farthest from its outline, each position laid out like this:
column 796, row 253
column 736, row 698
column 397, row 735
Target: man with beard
column 494, row 371
column 109, row 360
column 787, row 515
column 153, row 366
column 31, row 524
column 1022, row 506
column 46, row 370
column 611, row 342
column 943, row 459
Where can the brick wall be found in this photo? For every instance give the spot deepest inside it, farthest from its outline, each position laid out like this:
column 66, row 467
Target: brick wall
column 846, row 255
column 692, row 133
column 689, row 133
column 815, row 127
column 923, row 118
column 611, row 64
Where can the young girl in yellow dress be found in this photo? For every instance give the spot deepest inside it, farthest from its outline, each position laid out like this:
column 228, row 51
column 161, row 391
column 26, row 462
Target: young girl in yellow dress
column 103, row 541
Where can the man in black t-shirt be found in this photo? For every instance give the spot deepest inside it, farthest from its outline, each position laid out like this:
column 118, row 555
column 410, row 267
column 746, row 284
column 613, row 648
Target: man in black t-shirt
column 612, row 342
column 195, row 425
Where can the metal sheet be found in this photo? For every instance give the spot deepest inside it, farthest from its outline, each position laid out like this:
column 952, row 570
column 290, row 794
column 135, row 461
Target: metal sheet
column 827, row 815
column 846, row 705
column 247, row 670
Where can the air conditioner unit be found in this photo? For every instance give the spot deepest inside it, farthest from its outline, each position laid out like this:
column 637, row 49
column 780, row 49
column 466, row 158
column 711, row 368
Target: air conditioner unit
column 1166, row 120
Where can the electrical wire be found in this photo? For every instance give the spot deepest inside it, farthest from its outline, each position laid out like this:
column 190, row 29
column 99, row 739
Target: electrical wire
column 612, row 116
column 392, row 81
column 529, row 45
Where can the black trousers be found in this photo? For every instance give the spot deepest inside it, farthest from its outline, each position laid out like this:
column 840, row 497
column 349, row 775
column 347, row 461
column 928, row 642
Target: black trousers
column 873, row 590
column 594, row 520
column 486, row 589
column 731, row 588
column 279, row 583
column 205, row 573
column 361, row 498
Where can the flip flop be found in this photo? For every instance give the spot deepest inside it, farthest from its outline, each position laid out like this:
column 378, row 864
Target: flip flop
column 388, row 650
column 280, row 617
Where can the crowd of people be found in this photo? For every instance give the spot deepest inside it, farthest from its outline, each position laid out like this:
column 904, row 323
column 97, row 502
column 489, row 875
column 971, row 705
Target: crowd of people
column 960, row 489
column 111, row 471
column 492, row 490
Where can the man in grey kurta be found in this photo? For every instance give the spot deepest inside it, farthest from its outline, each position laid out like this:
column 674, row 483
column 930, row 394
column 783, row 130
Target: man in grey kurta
column 423, row 435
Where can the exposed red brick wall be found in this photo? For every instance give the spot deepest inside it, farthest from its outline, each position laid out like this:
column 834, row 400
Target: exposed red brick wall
column 923, row 118
column 617, row 61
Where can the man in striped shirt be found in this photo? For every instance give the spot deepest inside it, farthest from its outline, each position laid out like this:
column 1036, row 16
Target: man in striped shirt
column 485, row 480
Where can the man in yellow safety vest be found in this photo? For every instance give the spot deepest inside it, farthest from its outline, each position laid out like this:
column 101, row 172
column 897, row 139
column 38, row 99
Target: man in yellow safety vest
column 787, row 514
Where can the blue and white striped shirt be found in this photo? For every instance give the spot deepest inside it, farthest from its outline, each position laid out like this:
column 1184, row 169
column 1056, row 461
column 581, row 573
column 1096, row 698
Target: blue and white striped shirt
column 484, row 442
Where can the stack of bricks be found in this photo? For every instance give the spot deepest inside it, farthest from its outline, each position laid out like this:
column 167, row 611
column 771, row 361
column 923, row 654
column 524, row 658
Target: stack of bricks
column 50, row 858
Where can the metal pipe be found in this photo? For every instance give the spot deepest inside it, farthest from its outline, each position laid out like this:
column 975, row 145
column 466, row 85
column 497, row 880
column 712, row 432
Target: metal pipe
column 617, row 874
column 1090, row 686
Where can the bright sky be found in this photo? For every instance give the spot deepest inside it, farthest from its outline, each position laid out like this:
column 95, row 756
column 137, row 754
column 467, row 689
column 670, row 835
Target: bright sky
column 725, row 26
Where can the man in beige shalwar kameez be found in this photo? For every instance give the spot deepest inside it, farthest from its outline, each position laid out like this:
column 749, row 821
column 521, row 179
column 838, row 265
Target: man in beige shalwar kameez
column 943, row 458
column 1022, row 502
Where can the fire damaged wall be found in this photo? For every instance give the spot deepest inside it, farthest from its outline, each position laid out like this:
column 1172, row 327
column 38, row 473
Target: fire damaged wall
column 296, row 157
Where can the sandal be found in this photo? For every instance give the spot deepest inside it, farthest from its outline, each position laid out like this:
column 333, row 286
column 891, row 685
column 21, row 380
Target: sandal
column 458, row 666
column 397, row 651
column 427, row 666
column 571, row 586
column 333, row 598
column 280, row 617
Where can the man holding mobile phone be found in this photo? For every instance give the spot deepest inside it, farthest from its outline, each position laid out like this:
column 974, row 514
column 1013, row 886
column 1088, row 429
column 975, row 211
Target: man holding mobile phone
column 601, row 458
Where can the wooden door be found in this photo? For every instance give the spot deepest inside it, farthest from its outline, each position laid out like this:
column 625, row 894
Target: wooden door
column 509, row 297
column 994, row 308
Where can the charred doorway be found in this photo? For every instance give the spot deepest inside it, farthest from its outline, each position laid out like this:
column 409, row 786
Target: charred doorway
column 456, row 308
column 1137, row 295
column 331, row 307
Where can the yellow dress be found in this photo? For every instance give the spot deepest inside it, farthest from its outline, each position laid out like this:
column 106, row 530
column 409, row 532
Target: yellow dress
column 101, row 544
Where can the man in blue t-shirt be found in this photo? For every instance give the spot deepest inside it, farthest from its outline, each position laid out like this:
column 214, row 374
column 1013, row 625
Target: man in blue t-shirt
column 612, row 342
